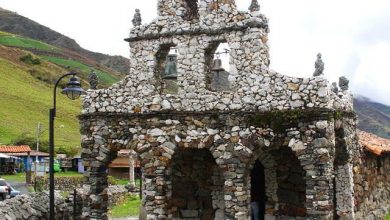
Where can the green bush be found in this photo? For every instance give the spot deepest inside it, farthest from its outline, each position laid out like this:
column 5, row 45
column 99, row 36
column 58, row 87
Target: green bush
column 30, row 59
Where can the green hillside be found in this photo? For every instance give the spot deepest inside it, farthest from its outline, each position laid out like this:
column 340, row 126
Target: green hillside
column 25, row 101
column 104, row 77
column 7, row 39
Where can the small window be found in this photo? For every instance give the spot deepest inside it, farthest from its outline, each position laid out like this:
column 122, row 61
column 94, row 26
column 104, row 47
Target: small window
column 166, row 69
column 218, row 66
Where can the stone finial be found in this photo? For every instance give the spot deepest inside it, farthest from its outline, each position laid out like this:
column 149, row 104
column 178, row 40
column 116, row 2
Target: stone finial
column 343, row 83
column 319, row 66
column 334, row 88
column 137, row 20
column 254, row 6
column 93, row 80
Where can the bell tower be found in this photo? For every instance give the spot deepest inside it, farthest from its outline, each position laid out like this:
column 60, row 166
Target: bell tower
column 195, row 29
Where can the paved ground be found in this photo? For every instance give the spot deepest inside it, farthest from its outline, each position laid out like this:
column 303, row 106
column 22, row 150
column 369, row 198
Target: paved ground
column 22, row 187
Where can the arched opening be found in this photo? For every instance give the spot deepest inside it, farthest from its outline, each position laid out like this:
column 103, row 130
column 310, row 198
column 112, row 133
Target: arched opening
column 291, row 183
column 166, row 69
column 218, row 66
column 258, row 194
column 192, row 9
column 197, row 186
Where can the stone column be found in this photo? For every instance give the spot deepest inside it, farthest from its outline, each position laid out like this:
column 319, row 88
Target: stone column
column 235, row 192
column 319, row 179
column 131, row 170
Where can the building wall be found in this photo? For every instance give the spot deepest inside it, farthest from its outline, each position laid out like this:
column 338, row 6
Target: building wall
column 372, row 186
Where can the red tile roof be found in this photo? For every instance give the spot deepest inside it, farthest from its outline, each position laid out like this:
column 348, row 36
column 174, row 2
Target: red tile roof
column 33, row 153
column 15, row 149
column 373, row 143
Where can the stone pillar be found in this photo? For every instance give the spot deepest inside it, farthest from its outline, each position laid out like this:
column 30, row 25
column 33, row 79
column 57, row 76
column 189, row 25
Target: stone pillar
column 131, row 170
column 319, row 179
column 236, row 193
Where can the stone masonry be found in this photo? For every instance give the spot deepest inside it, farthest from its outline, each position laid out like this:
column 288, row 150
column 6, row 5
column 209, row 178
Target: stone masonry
column 197, row 146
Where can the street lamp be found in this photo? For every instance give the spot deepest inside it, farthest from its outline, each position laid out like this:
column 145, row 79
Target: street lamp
column 73, row 90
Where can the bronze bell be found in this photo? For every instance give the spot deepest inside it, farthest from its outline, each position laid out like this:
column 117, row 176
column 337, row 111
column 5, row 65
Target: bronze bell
column 217, row 66
column 170, row 71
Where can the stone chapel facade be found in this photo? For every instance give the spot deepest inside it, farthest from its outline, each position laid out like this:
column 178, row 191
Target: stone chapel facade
column 201, row 149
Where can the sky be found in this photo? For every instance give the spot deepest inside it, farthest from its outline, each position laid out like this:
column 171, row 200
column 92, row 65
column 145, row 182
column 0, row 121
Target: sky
column 352, row 35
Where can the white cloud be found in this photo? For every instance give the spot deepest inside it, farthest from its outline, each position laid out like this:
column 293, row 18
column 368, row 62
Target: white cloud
column 352, row 35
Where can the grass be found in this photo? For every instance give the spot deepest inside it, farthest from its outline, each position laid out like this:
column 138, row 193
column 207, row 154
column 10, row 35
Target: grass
column 387, row 217
column 104, row 77
column 26, row 101
column 130, row 207
column 19, row 177
column 18, row 41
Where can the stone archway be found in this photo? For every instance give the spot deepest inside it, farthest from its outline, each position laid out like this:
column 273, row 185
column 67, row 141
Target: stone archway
column 197, row 186
column 291, row 183
column 258, row 196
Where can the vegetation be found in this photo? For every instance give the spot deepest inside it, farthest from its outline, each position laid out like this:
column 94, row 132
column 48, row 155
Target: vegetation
column 19, row 177
column 18, row 41
column 30, row 59
column 387, row 217
column 27, row 101
column 104, row 77
column 130, row 207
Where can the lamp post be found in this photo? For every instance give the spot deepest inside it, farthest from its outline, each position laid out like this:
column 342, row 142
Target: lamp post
column 73, row 90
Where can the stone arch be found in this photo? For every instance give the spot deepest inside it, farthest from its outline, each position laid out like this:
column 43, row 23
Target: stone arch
column 283, row 174
column 195, row 185
column 262, row 154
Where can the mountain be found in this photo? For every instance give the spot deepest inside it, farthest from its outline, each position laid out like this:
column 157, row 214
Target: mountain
column 14, row 23
column 25, row 100
column 373, row 117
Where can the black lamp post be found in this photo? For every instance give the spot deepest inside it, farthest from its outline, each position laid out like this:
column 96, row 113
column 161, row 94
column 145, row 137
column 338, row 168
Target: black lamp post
column 73, row 90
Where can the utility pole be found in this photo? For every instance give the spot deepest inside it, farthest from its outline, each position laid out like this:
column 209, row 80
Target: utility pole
column 39, row 133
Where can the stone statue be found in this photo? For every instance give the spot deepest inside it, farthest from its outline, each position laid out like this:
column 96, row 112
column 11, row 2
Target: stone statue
column 319, row 66
column 335, row 89
column 93, row 80
column 137, row 20
column 343, row 83
column 254, row 6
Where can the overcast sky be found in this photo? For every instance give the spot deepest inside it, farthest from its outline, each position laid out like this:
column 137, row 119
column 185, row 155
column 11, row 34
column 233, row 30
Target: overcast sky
column 352, row 35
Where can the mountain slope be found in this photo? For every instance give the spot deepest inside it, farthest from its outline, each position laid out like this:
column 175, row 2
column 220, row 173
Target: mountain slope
column 373, row 117
column 25, row 101
column 13, row 23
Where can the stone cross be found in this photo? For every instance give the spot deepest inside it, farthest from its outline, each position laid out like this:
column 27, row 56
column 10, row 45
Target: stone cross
column 254, row 6
column 93, row 80
column 343, row 83
column 137, row 20
column 319, row 66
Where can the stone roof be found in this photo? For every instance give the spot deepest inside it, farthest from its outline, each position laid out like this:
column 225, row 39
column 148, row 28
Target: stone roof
column 374, row 144
column 15, row 149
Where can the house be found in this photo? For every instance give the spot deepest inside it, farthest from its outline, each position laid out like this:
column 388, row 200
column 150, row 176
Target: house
column 29, row 158
column 120, row 167
column 17, row 151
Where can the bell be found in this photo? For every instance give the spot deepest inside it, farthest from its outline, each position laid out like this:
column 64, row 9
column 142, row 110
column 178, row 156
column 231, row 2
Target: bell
column 217, row 66
column 170, row 71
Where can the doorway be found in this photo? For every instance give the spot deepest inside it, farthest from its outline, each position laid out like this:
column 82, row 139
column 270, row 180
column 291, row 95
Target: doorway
column 258, row 196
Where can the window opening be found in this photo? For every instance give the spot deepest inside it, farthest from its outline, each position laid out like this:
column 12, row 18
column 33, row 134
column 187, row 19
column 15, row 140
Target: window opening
column 167, row 69
column 217, row 62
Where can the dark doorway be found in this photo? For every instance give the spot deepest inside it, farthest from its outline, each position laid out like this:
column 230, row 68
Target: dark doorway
column 258, row 197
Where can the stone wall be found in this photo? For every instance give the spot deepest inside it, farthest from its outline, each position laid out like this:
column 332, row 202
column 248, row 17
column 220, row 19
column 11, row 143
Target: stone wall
column 372, row 186
column 34, row 206
column 62, row 183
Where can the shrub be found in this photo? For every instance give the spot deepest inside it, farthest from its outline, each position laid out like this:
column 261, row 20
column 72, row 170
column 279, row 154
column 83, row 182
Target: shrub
column 30, row 59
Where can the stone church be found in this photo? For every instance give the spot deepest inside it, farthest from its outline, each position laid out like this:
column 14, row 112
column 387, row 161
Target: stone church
column 263, row 144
